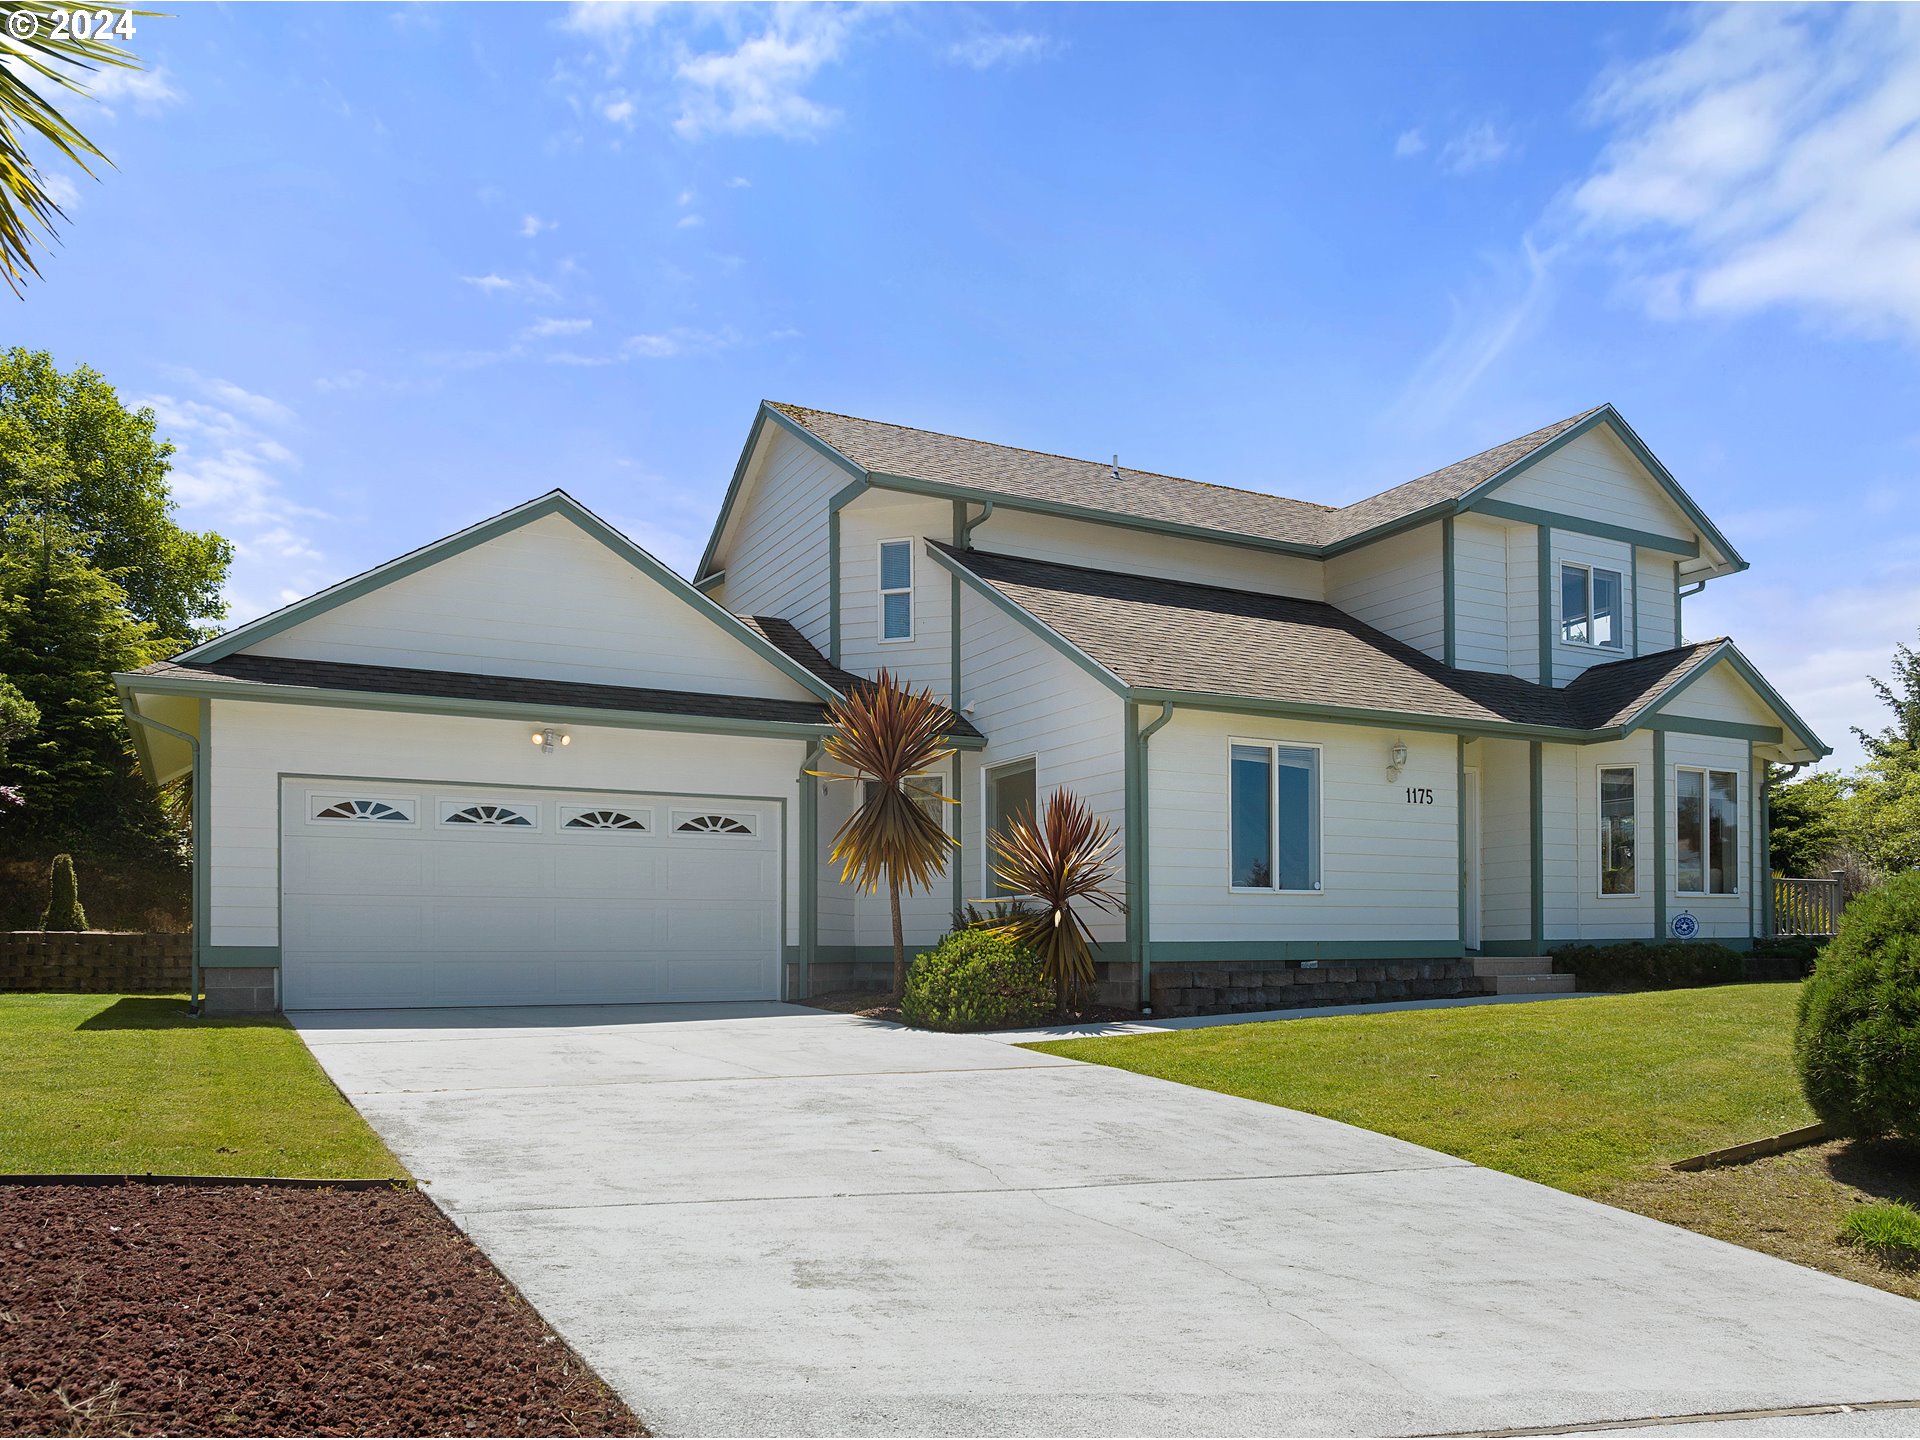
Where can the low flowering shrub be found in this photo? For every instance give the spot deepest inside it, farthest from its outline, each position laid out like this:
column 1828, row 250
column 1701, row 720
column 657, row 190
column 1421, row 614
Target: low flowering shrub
column 975, row 979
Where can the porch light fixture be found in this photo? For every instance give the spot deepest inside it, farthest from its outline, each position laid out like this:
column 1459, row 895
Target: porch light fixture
column 1396, row 759
column 548, row 738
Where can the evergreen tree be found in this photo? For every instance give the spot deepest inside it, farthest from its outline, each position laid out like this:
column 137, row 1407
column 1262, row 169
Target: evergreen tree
column 1808, row 821
column 1883, row 809
column 63, row 910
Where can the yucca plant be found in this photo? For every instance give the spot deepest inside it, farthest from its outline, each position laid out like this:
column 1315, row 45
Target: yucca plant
column 1050, row 862
column 887, row 735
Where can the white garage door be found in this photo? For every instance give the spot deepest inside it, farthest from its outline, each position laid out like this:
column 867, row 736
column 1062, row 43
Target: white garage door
column 402, row 894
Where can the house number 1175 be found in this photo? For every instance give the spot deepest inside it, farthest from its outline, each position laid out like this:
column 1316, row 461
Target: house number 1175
column 1419, row 794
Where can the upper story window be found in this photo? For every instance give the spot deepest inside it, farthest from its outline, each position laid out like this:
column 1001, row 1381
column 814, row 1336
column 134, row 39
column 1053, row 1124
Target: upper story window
column 1591, row 612
column 1709, row 831
column 896, row 589
column 1273, row 823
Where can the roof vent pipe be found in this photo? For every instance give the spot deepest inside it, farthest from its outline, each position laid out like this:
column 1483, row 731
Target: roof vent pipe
column 1116, row 467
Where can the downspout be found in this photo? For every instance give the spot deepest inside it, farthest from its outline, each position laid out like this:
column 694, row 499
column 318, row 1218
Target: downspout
column 1680, row 593
column 196, row 832
column 1137, row 846
column 966, row 530
column 809, row 873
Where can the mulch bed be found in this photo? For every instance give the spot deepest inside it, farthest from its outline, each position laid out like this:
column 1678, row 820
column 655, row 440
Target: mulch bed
column 878, row 1005
column 220, row 1310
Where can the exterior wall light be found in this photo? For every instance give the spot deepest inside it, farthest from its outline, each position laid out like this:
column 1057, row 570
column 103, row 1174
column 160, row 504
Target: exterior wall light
column 549, row 738
column 1396, row 759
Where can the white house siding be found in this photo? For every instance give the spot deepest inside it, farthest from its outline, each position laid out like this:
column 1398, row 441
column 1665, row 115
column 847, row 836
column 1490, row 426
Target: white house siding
column 1571, row 547
column 1596, row 478
column 926, row 659
column 252, row 744
column 1506, row 843
column 1523, row 602
column 1032, row 701
column 545, row 600
column 1721, row 694
column 1397, row 585
column 1614, row 917
column 1656, row 602
column 1480, row 593
column 775, row 552
column 1387, row 867
column 1113, row 547
column 1721, row 916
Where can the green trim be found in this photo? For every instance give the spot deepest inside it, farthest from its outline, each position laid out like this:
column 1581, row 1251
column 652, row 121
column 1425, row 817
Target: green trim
column 833, row 587
column 1659, row 834
column 762, row 417
column 1237, row 952
column 707, row 582
column 1728, row 652
column 1460, row 827
column 808, row 821
column 1537, row 838
column 1762, row 785
column 1373, row 719
column 555, row 502
column 1554, row 520
column 1139, row 844
column 481, row 709
column 957, row 858
column 1611, row 417
column 1448, row 585
column 1027, row 620
column 1545, row 564
column 234, row 957
column 1725, row 729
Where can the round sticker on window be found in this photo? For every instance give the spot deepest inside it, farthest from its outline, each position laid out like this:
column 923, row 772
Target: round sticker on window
column 1684, row 926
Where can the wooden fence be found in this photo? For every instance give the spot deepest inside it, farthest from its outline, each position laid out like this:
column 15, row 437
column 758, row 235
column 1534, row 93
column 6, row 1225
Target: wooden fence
column 1807, row 907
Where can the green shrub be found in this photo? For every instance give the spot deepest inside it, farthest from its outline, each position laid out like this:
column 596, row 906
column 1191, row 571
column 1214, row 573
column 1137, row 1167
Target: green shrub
column 1804, row 948
column 1858, row 1041
column 1641, row 965
column 976, row 980
column 63, row 902
column 1888, row 1230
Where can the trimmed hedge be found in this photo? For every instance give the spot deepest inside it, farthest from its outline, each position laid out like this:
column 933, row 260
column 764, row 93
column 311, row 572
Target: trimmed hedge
column 1858, row 1041
column 976, row 980
column 1804, row 948
column 1642, row 965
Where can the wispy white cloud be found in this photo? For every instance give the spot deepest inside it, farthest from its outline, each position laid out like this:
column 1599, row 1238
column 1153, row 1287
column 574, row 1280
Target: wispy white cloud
column 1479, row 146
column 60, row 189
column 532, row 225
column 689, row 222
column 1409, row 142
column 618, row 109
column 758, row 87
column 739, row 182
column 1770, row 158
column 991, row 48
column 1487, row 321
column 542, row 329
column 528, row 287
column 145, row 90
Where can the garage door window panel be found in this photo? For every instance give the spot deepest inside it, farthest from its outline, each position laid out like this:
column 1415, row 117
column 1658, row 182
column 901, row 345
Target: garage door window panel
column 362, row 809
column 488, row 815
column 606, row 818
column 712, row 823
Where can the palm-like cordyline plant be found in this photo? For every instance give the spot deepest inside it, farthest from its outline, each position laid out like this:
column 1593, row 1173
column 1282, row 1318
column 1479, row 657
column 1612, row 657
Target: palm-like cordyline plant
column 1063, row 856
column 888, row 735
column 33, row 60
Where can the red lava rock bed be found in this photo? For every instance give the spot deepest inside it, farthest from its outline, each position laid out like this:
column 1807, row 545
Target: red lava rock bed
column 258, row 1310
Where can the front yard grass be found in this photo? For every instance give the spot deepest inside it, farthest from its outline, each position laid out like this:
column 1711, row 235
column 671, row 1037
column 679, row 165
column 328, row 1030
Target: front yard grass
column 130, row 1084
column 1596, row 1096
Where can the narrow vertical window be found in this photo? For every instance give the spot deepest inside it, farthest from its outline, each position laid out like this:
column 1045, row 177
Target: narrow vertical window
column 1573, row 604
column 1709, row 832
column 1608, row 619
column 1251, row 785
column 1617, row 874
column 1011, row 792
column 896, row 590
column 1298, row 779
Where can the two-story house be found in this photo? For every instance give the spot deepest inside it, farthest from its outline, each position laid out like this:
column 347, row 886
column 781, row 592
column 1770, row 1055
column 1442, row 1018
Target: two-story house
column 1456, row 720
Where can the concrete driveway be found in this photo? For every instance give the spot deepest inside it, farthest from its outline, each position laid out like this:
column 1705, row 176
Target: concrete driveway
column 771, row 1220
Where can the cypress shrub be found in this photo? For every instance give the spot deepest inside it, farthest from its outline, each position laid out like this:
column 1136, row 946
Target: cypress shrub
column 1858, row 1041
column 63, row 903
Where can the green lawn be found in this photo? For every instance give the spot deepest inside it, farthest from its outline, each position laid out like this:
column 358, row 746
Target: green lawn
column 1584, row 1094
column 126, row 1084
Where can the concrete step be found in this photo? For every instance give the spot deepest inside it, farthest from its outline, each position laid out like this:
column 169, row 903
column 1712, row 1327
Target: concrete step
column 1513, row 965
column 1530, row 984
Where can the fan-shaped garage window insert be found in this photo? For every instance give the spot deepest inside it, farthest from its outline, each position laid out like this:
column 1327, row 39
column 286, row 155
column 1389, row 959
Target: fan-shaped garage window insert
column 489, row 815
column 364, row 810
column 714, row 825
column 605, row 820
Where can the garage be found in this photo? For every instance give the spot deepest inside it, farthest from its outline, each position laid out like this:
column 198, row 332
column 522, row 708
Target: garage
column 416, row 894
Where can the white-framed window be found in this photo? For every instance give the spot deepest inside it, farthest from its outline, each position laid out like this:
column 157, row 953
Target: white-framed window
column 1592, row 606
column 1273, row 816
column 372, row 809
column 1707, row 812
column 1011, row 789
column 896, row 589
column 489, row 815
column 1619, row 854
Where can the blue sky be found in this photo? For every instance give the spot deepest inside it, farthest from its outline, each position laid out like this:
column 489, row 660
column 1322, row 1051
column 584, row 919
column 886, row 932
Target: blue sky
column 385, row 271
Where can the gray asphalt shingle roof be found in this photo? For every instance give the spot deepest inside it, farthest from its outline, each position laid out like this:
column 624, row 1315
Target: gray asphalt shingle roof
column 1142, row 494
column 1156, row 634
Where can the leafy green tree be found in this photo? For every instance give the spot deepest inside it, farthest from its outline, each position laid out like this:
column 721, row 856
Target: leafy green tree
column 1882, row 815
column 34, row 66
column 1809, row 821
column 76, row 464
column 64, row 630
column 19, row 717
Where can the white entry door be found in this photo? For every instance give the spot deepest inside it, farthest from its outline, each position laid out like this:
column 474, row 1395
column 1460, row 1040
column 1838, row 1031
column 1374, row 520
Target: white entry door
column 396, row 894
